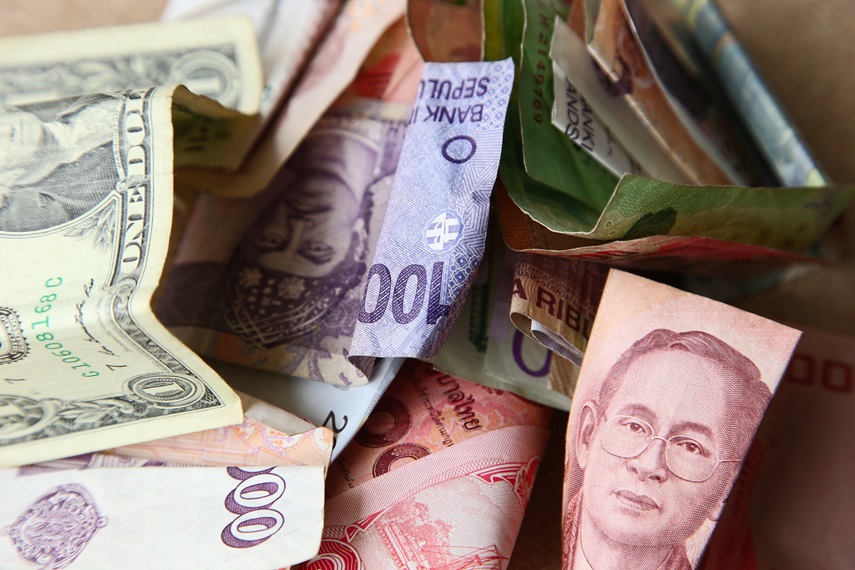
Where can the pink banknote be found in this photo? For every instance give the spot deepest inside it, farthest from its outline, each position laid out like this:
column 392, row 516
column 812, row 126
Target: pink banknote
column 439, row 477
column 793, row 503
column 670, row 395
column 422, row 413
column 455, row 509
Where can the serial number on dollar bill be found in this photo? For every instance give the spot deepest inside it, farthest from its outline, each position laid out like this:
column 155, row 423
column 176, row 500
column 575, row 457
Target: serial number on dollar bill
column 51, row 344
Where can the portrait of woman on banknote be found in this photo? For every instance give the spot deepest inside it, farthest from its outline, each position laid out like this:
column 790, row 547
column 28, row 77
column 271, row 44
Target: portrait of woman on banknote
column 309, row 248
column 657, row 448
column 57, row 161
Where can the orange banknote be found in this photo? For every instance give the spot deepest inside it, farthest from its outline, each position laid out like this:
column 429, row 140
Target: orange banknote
column 443, row 483
column 268, row 436
column 424, row 412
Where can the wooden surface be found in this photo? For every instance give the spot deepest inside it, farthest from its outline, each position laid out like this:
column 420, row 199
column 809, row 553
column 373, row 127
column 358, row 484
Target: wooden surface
column 36, row 16
column 802, row 48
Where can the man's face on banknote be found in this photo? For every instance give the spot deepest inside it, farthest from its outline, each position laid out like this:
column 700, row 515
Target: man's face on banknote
column 22, row 136
column 670, row 413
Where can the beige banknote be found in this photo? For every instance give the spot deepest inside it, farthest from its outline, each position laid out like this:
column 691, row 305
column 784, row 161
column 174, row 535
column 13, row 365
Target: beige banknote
column 217, row 58
column 792, row 504
column 485, row 347
column 570, row 54
column 338, row 58
column 671, row 393
column 85, row 212
column 287, row 32
column 247, row 517
column 573, row 116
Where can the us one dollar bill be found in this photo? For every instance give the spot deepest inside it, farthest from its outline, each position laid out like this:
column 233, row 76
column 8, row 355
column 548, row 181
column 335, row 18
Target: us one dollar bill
column 85, row 213
column 217, row 58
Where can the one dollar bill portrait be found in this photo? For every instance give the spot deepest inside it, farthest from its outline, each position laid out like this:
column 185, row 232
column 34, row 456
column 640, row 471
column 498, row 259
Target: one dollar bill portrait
column 58, row 160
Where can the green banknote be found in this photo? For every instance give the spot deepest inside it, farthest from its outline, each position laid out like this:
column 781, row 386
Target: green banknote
column 549, row 156
column 789, row 219
column 503, row 36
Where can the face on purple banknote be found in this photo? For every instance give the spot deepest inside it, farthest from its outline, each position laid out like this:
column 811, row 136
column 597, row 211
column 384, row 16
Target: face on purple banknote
column 657, row 446
column 307, row 249
column 303, row 230
column 310, row 229
column 57, row 161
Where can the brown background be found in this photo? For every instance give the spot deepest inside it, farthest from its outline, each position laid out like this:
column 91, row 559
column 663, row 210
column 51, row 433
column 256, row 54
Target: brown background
column 804, row 50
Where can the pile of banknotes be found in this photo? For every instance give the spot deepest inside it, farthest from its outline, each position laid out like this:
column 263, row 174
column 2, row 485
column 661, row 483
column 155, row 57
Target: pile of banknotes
column 314, row 284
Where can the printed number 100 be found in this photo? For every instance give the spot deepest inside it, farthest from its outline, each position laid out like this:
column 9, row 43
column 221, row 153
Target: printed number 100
column 415, row 274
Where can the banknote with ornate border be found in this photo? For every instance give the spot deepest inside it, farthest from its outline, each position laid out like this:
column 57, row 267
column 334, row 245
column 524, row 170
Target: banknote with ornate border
column 85, row 213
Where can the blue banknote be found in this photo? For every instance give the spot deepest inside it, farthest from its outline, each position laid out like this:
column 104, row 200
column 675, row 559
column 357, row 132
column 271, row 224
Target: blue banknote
column 432, row 239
